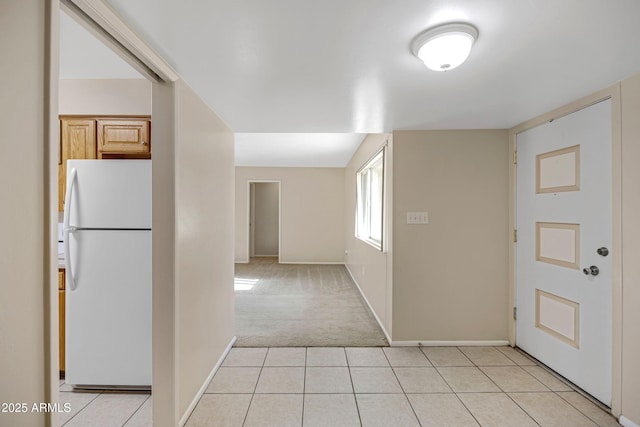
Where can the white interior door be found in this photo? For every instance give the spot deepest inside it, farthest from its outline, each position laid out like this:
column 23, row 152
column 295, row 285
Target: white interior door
column 563, row 218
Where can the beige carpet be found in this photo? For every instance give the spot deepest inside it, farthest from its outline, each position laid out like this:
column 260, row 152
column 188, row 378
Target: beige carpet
column 285, row 305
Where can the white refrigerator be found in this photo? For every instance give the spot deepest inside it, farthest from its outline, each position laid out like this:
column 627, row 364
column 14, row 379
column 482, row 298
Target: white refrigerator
column 107, row 227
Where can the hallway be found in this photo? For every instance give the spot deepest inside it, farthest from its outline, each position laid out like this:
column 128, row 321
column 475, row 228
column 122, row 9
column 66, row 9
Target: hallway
column 301, row 305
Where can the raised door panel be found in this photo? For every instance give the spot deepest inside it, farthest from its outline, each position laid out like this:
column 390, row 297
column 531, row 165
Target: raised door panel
column 77, row 141
column 123, row 136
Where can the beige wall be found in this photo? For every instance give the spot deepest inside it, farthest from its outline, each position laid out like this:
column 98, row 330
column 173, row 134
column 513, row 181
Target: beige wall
column 312, row 212
column 24, row 255
column 193, row 300
column 131, row 97
column 204, row 196
column 192, row 279
column 370, row 267
column 164, row 378
column 630, row 109
column 266, row 218
column 450, row 277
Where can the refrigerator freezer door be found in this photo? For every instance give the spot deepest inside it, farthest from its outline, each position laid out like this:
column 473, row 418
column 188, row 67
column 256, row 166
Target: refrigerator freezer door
column 109, row 194
column 108, row 315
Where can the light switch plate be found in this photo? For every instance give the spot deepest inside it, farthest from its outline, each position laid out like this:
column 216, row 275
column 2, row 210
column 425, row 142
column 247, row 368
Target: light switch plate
column 417, row 217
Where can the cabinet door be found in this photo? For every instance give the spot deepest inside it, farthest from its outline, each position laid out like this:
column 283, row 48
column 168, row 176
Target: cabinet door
column 77, row 141
column 123, row 137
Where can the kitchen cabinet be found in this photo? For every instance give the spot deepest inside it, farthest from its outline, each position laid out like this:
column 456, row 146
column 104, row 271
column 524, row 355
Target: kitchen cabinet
column 77, row 141
column 123, row 136
column 61, row 314
column 88, row 137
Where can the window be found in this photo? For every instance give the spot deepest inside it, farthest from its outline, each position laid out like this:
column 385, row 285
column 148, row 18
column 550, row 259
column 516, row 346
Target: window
column 370, row 201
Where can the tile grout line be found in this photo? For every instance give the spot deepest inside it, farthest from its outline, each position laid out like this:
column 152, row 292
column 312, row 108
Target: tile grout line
column 137, row 409
column 479, row 368
column 465, row 407
column 547, row 389
column 83, row 408
column 500, row 388
column 438, row 372
column 465, row 356
column 507, row 394
column 523, row 410
column 556, row 376
column 246, row 414
column 526, row 372
column 578, row 409
column 449, row 385
column 304, row 385
column 404, row 393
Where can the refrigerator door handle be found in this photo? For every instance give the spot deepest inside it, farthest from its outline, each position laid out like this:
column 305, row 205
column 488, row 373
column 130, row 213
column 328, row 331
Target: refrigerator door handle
column 68, row 229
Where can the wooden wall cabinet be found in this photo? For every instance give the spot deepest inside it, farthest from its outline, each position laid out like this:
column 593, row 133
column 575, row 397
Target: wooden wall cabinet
column 61, row 314
column 117, row 136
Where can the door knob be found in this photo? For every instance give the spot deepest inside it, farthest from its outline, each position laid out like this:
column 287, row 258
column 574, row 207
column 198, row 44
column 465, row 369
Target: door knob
column 593, row 270
column 603, row 251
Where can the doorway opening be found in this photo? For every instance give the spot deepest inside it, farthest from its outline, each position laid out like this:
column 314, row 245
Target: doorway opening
column 104, row 99
column 264, row 220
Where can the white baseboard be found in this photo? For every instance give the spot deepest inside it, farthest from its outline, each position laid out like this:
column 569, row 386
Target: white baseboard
column 204, row 386
column 386, row 334
column 462, row 343
column 626, row 422
column 313, row 262
column 246, row 261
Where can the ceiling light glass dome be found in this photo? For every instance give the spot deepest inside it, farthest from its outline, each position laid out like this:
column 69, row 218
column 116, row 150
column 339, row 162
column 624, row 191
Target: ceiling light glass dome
column 445, row 47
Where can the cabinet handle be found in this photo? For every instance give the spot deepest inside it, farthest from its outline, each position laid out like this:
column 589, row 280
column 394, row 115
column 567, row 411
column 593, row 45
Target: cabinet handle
column 143, row 142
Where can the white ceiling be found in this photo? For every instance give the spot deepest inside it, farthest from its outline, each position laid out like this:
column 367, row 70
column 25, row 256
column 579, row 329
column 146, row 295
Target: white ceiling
column 82, row 56
column 97, row 61
column 335, row 66
column 296, row 149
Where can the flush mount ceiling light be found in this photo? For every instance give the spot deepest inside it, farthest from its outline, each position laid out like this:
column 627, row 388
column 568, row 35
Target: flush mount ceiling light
column 445, row 47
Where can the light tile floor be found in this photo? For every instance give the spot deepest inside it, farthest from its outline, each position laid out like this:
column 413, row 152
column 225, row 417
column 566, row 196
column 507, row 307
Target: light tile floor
column 390, row 386
column 375, row 386
column 104, row 408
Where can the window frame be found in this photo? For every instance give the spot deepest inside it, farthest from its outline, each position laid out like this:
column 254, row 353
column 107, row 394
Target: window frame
column 366, row 235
